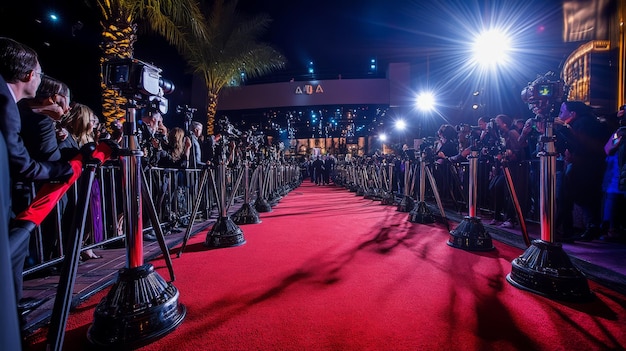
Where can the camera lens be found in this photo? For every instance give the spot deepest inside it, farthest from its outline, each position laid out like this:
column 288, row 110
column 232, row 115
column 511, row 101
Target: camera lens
column 167, row 86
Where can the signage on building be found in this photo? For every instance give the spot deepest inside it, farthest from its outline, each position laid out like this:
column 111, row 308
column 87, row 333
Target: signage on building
column 309, row 89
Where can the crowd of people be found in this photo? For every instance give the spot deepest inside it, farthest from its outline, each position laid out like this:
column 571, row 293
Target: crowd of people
column 590, row 157
column 45, row 129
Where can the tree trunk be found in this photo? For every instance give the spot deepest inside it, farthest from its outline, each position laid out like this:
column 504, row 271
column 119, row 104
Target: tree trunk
column 210, row 113
column 118, row 40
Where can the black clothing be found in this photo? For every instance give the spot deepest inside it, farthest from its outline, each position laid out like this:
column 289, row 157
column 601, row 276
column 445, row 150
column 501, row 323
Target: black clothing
column 584, row 139
column 21, row 165
column 10, row 332
column 318, row 169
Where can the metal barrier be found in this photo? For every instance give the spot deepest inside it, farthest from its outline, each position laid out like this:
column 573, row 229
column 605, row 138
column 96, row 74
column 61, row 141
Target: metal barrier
column 364, row 178
column 174, row 192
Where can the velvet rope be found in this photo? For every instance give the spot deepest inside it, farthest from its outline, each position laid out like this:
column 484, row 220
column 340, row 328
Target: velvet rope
column 50, row 193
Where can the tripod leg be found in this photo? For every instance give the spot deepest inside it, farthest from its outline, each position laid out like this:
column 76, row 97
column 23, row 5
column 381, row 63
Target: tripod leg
column 152, row 214
column 518, row 209
column 234, row 191
column 196, row 205
column 63, row 300
column 433, row 186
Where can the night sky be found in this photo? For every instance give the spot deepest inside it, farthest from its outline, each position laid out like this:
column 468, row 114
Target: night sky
column 339, row 36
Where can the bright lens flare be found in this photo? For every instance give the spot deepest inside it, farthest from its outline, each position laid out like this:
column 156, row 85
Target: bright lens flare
column 492, row 48
column 425, row 101
column 382, row 137
column 400, row 124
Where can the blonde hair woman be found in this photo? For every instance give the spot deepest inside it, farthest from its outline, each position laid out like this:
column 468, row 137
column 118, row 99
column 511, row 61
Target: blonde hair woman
column 177, row 150
column 80, row 123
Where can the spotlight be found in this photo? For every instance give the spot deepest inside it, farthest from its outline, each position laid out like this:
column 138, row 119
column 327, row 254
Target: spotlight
column 382, row 137
column 491, row 48
column 400, row 124
column 425, row 101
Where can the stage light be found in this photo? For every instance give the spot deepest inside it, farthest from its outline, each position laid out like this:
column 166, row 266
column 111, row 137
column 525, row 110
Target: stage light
column 53, row 17
column 400, row 124
column 491, row 48
column 382, row 137
column 425, row 101
column 475, row 106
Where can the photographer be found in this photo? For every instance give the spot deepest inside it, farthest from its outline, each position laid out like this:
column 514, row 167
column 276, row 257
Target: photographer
column 529, row 140
column 580, row 139
column 510, row 156
column 445, row 173
column 152, row 135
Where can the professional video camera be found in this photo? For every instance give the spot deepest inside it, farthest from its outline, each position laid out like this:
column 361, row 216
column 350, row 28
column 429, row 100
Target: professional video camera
column 544, row 94
column 139, row 81
column 227, row 129
column 427, row 148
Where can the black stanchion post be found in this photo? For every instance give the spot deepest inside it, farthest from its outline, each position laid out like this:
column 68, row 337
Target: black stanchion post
column 470, row 234
column 246, row 214
column 224, row 233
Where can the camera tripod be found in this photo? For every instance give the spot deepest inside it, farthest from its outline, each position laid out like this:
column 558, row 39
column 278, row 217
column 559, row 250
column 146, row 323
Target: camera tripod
column 224, row 233
column 407, row 203
column 421, row 213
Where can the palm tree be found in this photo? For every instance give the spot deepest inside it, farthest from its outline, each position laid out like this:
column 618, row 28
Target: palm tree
column 232, row 52
column 120, row 20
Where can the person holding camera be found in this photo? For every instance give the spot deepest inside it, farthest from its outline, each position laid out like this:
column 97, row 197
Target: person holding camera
column 580, row 137
column 510, row 156
column 152, row 135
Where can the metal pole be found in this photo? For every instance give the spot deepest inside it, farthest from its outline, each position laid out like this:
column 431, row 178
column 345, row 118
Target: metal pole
column 131, row 192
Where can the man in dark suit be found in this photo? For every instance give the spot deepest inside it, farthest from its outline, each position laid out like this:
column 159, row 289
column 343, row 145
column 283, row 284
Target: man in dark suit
column 20, row 68
column 195, row 159
column 9, row 333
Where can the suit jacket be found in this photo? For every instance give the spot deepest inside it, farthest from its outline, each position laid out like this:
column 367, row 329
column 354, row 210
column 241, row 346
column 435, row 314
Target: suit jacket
column 38, row 134
column 10, row 332
column 195, row 156
column 21, row 165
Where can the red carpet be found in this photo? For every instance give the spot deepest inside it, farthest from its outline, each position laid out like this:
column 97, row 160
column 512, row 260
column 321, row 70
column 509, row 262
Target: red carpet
column 327, row 270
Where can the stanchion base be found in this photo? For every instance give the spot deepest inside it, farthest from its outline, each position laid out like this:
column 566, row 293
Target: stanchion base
column 406, row 204
column 421, row 214
column 360, row 191
column 140, row 308
column 471, row 235
column 225, row 233
column 274, row 198
column 545, row 269
column 389, row 198
column 262, row 205
column 246, row 214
